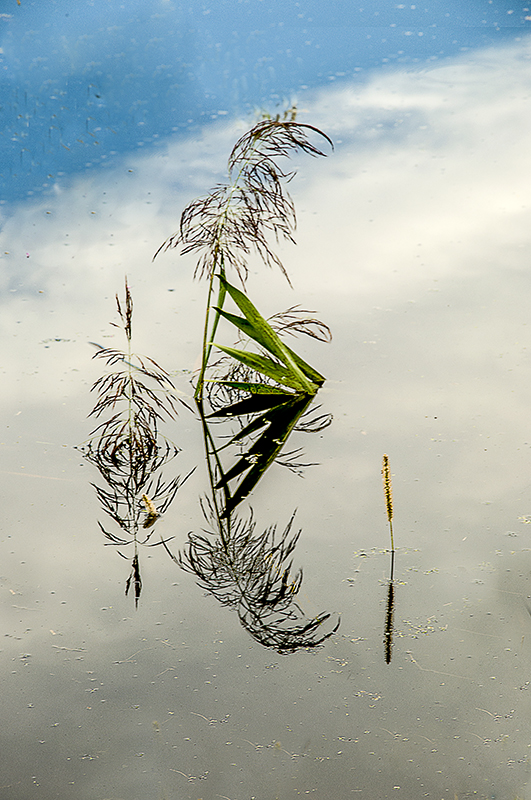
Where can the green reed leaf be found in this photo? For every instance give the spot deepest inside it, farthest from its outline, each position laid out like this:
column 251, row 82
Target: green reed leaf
column 253, row 388
column 257, row 328
column 309, row 371
column 268, row 367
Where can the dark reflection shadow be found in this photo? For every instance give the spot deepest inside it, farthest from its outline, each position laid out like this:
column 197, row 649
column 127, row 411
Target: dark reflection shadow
column 389, row 616
column 249, row 571
column 265, row 422
column 127, row 448
column 252, row 573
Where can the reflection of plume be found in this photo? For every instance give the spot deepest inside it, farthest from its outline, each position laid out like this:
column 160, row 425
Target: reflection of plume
column 127, row 447
column 252, row 573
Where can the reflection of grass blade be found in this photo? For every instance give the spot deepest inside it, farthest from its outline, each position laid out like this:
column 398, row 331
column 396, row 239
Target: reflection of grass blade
column 279, row 422
column 264, row 451
column 253, row 405
column 135, row 579
column 244, row 463
column 253, row 426
column 268, row 418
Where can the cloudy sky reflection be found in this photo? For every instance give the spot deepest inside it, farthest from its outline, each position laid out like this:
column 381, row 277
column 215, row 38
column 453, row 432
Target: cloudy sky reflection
column 429, row 181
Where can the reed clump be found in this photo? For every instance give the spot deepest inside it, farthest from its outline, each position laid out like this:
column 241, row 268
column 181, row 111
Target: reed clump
column 250, row 397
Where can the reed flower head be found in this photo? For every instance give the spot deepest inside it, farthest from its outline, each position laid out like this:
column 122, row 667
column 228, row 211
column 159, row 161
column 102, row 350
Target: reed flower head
column 388, row 489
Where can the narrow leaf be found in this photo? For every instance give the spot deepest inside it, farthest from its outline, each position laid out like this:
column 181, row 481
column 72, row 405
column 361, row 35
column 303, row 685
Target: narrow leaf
column 253, row 388
column 268, row 367
column 262, row 332
column 309, row 371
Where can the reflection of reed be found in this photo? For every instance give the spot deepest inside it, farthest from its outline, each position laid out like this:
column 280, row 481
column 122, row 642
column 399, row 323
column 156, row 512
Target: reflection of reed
column 389, row 614
column 263, row 398
column 252, row 573
column 127, row 447
column 388, row 630
column 248, row 571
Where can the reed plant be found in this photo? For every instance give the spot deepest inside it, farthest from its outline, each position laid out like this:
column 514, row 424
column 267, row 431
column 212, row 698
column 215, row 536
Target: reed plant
column 264, row 379
column 241, row 216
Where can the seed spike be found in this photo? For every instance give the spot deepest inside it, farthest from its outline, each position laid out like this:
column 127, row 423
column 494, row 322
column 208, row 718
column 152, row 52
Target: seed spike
column 388, row 489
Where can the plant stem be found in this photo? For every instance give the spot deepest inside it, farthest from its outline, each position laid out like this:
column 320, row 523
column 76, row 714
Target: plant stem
column 208, row 338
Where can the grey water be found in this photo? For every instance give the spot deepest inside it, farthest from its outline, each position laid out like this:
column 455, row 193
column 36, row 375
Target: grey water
column 413, row 246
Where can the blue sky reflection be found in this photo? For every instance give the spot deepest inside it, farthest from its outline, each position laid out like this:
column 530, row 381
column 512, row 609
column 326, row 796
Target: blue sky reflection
column 80, row 86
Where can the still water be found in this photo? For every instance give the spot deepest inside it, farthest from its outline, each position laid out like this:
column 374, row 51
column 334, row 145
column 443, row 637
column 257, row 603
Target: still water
column 413, row 246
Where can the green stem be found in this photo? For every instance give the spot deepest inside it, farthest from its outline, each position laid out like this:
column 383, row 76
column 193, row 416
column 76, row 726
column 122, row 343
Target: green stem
column 208, row 338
